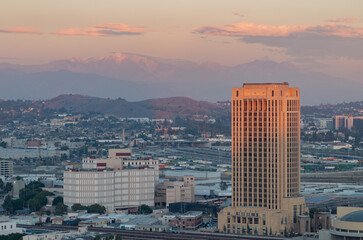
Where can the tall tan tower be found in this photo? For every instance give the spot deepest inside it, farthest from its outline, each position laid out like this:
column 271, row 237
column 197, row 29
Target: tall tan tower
column 265, row 161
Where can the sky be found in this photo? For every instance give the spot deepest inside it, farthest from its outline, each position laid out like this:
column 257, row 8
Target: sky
column 320, row 35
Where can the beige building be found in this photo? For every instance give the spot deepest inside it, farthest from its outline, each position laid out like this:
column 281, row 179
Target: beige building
column 116, row 182
column 266, row 196
column 348, row 224
column 175, row 191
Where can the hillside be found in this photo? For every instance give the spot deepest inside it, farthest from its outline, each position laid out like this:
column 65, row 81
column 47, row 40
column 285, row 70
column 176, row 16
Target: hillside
column 329, row 110
column 153, row 108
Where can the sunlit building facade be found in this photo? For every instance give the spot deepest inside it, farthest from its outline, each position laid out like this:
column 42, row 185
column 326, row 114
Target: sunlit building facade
column 266, row 196
column 117, row 182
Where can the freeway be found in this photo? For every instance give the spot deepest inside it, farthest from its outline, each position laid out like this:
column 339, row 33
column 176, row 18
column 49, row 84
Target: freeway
column 143, row 235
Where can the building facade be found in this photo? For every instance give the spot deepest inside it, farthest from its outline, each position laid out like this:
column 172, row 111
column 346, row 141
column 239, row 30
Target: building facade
column 347, row 224
column 6, row 168
column 7, row 227
column 175, row 191
column 188, row 221
column 116, row 182
column 266, row 196
column 342, row 121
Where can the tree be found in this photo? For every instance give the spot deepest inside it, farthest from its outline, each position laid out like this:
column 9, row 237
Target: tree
column 223, row 186
column 1, row 184
column 13, row 236
column 78, row 207
column 8, row 187
column 60, row 208
column 96, row 208
column 57, row 200
column 3, row 144
column 32, row 195
column 7, row 205
column 34, row 204
column 144, row 209
column 312, row 211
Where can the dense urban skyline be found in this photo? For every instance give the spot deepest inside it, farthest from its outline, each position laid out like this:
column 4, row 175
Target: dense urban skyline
column 117, row 119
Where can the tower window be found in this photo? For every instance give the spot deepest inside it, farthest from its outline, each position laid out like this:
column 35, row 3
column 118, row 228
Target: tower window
column 273, row 92
column 237, row 93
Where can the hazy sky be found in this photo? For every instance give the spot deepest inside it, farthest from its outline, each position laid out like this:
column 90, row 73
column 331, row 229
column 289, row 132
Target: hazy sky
column 324, row 35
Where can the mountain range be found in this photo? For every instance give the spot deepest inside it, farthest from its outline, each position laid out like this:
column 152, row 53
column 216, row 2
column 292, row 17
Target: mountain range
column 136, row 77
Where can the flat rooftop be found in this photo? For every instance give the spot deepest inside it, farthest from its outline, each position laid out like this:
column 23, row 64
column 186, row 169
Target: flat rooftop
column 284, row 83
column 192, row 214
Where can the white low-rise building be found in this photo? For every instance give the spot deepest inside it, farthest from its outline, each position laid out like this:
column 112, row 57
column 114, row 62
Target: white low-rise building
column 117, row 182
column 7, row 227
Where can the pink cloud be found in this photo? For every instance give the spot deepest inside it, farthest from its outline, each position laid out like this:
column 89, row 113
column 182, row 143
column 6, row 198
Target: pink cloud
column 344, row 20
column 105, row 29
column 250, row 29
column 20, row 30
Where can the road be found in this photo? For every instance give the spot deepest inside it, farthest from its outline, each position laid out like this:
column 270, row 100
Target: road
column 143, row 235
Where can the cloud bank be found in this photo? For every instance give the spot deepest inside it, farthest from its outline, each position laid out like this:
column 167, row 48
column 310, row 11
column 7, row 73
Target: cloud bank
column 344, row 20
column 324, row 40
column 20, row 30
column 105, row 29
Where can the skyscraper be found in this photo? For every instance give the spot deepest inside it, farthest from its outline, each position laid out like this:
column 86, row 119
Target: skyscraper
column 265, row 161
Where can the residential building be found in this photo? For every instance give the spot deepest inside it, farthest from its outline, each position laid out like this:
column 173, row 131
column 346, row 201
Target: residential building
column 6, row 168
column 266, row 197
column 326, row 123
column 117, row 182
column 175, row 191
column 341, row 121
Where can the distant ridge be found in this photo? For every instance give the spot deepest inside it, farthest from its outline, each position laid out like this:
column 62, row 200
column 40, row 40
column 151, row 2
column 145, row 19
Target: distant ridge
column 153, row 108
column 169, row 108
column 137, row 77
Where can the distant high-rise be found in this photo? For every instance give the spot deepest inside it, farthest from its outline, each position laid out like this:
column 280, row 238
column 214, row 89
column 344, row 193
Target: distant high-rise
column 6, row 168
column 265, row 161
